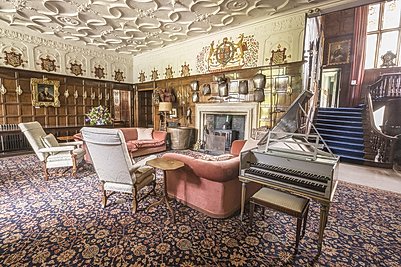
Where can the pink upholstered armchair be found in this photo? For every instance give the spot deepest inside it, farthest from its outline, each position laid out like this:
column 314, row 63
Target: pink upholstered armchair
column 211, row 187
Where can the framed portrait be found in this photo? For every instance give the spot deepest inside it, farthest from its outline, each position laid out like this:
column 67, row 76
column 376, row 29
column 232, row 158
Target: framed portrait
column 173, row 113
column 339, row 52
column 45, row 92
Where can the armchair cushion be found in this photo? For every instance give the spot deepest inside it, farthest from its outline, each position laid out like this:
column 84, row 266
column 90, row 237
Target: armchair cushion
column 145, row 133
column 50, row 141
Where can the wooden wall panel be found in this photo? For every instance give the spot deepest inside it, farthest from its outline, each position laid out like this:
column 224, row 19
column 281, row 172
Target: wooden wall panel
column 71, row 113
column 338, row 26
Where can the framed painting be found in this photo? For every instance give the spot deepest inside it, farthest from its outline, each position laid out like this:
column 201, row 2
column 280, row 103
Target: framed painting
column 339, row 52
column 45, row 92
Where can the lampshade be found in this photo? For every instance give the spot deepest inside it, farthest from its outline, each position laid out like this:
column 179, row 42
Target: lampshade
column 165, row 106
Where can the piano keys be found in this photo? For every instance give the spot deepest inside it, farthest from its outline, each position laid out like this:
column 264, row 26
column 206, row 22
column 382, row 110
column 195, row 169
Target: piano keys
column 290, row 163
column 310, row 177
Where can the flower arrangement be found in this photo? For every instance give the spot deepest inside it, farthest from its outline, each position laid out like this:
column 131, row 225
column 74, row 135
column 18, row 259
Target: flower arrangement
column 98, row 116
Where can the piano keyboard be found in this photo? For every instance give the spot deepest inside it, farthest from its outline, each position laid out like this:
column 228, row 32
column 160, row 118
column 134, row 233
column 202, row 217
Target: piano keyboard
column 298, row 173
column 287, row 179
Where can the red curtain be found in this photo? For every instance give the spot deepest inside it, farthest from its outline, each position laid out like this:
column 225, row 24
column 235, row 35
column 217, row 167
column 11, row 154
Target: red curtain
column 358, row 60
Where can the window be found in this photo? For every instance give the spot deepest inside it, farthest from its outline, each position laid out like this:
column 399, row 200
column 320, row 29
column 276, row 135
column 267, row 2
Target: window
column 383, row 42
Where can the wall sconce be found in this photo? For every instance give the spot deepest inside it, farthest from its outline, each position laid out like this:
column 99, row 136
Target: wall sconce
column 3, row 90
column 66, row 93
column 165, row 108
column 19, row 90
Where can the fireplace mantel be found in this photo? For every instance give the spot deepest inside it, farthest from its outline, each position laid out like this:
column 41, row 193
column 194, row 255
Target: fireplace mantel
column 248, row 109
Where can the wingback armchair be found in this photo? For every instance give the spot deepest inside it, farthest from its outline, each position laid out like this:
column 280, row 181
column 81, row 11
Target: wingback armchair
column 49, row 151
column 114, row 166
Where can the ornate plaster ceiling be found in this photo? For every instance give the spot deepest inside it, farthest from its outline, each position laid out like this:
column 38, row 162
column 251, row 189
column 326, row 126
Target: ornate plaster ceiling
column 132, row 27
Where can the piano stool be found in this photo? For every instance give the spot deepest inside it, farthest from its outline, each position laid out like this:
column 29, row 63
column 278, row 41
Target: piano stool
column 283, row 202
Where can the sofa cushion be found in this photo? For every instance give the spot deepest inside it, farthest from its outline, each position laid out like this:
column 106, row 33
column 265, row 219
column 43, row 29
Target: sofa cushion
column 145, row 133
column 129, row 133
column 147, row 143
column 213, row 158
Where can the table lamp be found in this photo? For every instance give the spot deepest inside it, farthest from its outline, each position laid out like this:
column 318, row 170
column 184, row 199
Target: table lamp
column 164, row 107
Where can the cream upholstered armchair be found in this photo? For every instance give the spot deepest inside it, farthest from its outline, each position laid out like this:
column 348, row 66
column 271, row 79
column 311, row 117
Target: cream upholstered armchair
column 114, row 166
column 49, row 151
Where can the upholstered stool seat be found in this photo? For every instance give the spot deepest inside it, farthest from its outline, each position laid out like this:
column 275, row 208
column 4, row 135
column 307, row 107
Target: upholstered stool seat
column 283, row 202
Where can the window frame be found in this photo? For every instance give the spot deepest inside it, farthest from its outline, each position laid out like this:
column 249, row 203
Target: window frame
column 379, row 32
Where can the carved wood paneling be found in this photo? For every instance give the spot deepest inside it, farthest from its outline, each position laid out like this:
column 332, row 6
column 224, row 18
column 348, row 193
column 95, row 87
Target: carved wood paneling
column 16, row 108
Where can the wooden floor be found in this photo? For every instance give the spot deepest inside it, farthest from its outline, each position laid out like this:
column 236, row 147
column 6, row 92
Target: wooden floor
column 385, row 179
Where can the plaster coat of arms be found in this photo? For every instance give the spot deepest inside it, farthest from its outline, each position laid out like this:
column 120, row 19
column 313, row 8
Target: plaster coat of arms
column 227, row 53
column 142, row 76
column 155, row 75
column 99, row 72
column 169, row 72
column 76, row 69
column 185, row 70
column 14, row 59
column 48, row 64
column 119, row 75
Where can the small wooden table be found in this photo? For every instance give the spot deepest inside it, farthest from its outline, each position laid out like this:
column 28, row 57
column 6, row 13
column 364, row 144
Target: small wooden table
column 66, row 138
column 165, row 165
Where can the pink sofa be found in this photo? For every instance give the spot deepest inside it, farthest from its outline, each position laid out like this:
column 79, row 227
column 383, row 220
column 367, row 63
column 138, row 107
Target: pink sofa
column 144, row 147
column 136, row 147
column 211, row 187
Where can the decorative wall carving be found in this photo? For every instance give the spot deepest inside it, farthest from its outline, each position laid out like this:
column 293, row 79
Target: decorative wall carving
column 62, row 53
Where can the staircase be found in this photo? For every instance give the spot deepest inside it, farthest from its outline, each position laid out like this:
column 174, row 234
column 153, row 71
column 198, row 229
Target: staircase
column 342, row 130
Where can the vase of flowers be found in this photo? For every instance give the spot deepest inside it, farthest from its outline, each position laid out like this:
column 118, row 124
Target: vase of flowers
column 98, row 116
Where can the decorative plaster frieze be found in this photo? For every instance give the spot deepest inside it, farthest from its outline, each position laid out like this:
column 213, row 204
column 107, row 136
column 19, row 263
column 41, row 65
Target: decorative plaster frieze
column 40, row 41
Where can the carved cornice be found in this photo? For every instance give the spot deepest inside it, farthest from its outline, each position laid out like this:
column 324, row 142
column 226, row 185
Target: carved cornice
column 43, row 42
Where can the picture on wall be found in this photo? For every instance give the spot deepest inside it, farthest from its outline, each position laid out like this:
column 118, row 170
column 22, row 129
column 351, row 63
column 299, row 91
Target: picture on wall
column 45, row 92
column 339, row 52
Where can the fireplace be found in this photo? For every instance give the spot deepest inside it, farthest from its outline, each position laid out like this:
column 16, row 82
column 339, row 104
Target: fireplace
column 236, row 114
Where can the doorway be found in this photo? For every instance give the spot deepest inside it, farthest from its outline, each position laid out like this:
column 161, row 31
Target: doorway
column 330, row 91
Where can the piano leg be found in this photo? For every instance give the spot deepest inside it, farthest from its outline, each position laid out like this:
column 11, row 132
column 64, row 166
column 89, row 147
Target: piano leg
column 324, row 213
column 243, row 193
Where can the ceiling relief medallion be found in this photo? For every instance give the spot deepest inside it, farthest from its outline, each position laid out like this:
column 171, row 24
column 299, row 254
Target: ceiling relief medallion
column 169, row 72
column 119, row 75
column 48, row 64
column 141, row 77
column 76, row 69
column 185, row 70
column 155, row 75
column 99, row 72
column 14, row 59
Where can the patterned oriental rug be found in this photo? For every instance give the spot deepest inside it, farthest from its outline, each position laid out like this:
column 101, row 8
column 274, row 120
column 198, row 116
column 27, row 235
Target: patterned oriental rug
column 61, row 223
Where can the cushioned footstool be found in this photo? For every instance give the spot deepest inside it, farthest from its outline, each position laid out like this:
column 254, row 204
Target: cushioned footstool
column 289, row 204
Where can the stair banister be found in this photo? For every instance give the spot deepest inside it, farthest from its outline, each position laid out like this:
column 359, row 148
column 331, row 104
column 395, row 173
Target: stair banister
column 387, row 86
column 383, row 145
